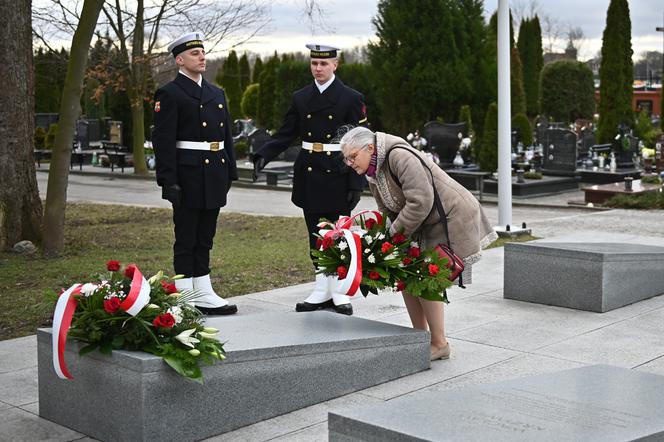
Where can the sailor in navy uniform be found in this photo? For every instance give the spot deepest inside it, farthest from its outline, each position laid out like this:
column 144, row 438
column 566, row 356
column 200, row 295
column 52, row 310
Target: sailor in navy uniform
column 323, row 186
column 195, row 166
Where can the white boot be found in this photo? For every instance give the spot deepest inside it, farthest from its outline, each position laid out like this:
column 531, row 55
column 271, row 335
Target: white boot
column 184, row 285
column 321, row 291
column 338, row 297
column 205, row 295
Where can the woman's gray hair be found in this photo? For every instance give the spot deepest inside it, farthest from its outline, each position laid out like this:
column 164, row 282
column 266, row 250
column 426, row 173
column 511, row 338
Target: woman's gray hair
column 357, row 137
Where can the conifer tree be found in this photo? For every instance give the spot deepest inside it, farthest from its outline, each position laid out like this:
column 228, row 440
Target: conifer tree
column 228, row 77
column 258, row 69
column 267, row 94
column 245, row 72
column 615, row 72
column 532, row 60
column 487, row 157
column 516, row 84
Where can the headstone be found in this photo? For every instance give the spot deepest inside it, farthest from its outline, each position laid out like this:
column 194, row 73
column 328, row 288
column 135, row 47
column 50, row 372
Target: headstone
column 560, row 151
column 443, row 138
column 625, row 148
column 541, row 125
column 596, row 277
column 590, row 404
column 115, row 132
column 82, row 135
column 94, row 129
column 277, row 363
column 587, row 140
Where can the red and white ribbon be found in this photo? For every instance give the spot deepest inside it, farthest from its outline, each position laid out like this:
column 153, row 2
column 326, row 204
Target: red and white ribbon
column 353, row 235
column 138, row 297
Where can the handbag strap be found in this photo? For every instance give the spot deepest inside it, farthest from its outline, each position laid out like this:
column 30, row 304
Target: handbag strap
column 436, row 199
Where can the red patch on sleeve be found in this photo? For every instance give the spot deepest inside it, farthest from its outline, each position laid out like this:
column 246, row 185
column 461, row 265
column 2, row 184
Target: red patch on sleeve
column 364, row 109
column 157, row 106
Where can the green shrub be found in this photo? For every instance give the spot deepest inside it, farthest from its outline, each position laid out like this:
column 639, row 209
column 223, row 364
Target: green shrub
column 241, row 149
column 39, row 137
column 521, row 122
column 250, row 101
column 645, row 129
column 487, row 156
column 530, row 175
column 567, row 91
column 649, row 200
column 650, row 179
column 50, row 136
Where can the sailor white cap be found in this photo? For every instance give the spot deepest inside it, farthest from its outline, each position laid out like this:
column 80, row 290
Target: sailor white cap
column 322, row 51
column 187, row 41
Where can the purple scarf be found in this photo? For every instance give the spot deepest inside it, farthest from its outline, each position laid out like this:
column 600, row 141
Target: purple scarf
column 371, row 170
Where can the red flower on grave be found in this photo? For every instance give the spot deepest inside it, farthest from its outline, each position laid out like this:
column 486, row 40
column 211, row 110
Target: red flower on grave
column 327, row 243
column 370, row 223
column 342, row 272
column 129, row 271
column 414, row 252
column 398, row 238
column 401, row 286
column 112, row 304
column 166, row 321
column 433, row 269
column 407, row 261
column 113, row 265
column 169, row 287
column 374, row 275
column 386, row 247
column 319, row 243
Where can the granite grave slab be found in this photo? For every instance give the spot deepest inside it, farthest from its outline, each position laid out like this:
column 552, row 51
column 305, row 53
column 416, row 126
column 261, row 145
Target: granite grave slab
column 277, row 363
column 589, row 276
column 595, row 403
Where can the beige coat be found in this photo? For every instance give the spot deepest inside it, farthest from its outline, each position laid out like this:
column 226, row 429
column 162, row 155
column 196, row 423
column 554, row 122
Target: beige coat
column 411, row 206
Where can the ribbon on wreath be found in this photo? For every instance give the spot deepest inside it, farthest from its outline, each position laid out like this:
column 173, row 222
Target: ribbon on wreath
column 137, row 298
column 345, row 227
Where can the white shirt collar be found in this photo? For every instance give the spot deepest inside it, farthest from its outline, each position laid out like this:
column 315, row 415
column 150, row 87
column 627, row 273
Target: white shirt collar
column 322, row 87
column 200, row 78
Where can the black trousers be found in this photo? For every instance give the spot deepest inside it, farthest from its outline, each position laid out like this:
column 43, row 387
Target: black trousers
column 194, row 232
column 312, row 219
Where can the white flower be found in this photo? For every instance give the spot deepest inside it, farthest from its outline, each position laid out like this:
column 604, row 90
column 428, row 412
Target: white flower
column 207, row 335
column 367, row 250
column 427, row 259
column 153, row 306
column 371, row 259
column 381, row 236
column 176, row 311
column 343, row 245
column 414, row 244
column 342, row 257
column 211, row 330
column 156, row 277
column 368, row 239
column 186, row 339
column 194, row 352
column 390, row 256
column 88, row 289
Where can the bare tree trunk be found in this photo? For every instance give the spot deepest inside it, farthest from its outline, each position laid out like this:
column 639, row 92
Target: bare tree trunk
column 138, row 79
column 20, row 206
column 70, row 109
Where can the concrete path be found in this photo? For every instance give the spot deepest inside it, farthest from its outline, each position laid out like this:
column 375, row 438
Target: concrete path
column 492, row 339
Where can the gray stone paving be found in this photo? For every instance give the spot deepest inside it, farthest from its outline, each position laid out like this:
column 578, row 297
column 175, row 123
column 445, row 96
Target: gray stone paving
column 492, row 339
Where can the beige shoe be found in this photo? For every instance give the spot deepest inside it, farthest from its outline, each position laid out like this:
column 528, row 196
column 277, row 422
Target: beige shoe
column 443, row 353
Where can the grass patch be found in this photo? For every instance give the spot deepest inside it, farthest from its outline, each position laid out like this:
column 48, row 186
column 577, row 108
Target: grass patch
column 500, row 242
column 645, row 201
column 250, row 254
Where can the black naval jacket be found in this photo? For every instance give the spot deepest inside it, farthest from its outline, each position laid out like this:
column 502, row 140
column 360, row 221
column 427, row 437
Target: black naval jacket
column 185, row 111
column 321, row 180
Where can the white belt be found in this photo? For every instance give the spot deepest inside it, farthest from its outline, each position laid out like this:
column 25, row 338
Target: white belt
column 200, row 145
column 320, row 147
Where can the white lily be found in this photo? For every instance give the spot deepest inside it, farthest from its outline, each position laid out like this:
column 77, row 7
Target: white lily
column 186, row 338
column 153, row 306
column 371, row 259
column 88, row 288
column 343, row 245
column 156, row 277
column 207, row 335
column 194, row 352
column 211, row 330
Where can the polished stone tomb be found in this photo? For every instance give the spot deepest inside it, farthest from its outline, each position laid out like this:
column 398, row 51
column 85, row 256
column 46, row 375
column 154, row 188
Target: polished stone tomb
column 598, row 403
column 589, row 276
column 277, row 363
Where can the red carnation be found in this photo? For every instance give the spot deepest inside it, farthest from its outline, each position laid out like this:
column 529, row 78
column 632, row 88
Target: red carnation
column 112, row 304
column 169, row 287
column 327, row 243
column 407, row 261
column 374, row 275
column 113, row 265
column 414, row 252
column 342, row 272
column 129, row 271
column 398, row 238
column 433, row 269
column 386, row 247
column 319, row 243
column 401, row 286
column 370, row 223
column 166, row 321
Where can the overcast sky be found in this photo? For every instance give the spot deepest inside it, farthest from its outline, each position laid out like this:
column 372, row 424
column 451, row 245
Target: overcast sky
column 350, row 21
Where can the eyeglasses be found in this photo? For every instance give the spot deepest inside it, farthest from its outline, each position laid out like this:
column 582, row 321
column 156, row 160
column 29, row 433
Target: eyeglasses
column 350, row 159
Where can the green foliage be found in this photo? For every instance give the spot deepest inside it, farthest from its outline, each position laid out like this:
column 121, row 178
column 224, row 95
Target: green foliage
column 645, row 201
column 530, row 175
column 466, row 117
column 521, row 122
column 650, row 179
column 267, row 94
column 567, row 91
column 516, row 84
column 530, row 50
column 250, row 101
column 50, row 136
column 39, row 137
column 50, row 70
column 645, row 129
column 245, row 72
column 420, row 64
column 228, row 77
column 290, row 76
column 616, row 72
column 241, row 149
column 359, row 77
column 258, row 69
column 487, row 157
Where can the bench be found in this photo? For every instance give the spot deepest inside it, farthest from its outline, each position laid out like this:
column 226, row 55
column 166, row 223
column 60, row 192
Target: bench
column 595, row 277
column 41, row 154
column 117, row 155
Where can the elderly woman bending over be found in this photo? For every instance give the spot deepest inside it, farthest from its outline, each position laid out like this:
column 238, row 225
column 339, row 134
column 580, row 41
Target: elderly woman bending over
column 402, row 188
